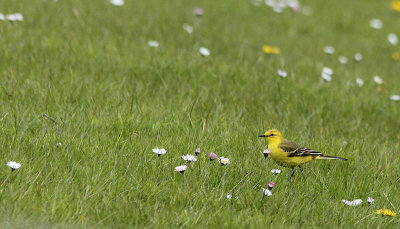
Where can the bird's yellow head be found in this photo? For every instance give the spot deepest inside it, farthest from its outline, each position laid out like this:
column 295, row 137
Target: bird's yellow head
column 272, row 136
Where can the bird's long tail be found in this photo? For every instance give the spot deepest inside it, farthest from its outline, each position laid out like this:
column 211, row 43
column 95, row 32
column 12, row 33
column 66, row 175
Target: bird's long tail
column 330, row 157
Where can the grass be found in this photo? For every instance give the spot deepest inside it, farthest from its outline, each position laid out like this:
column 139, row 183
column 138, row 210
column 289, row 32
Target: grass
column 87, row 65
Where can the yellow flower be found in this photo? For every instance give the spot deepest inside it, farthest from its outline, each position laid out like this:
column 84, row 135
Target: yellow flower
column 395, row 5
column 395, row 56
column 271, row 49
column 386, row 212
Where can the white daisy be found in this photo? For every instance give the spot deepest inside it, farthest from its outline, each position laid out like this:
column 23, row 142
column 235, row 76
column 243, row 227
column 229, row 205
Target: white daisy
column 181, row 168
column 204, row 51
column 18, row 17
column 13, row 165
column 224, row 161
column 2, row 18
column 395, row 97
column 266, row 152
column 11, row 17
column 375, row 23
column 358, row 57
column 275, row 171
column 117, row 2
column 229, row 196
column 327, row 70
column 188, row 28
column 378, row 80
column 58, row 144
column 266, row 192
column 360, row 82
column 189, row 158
column 329, row 50
column 282, row 73
column 393, row 39
column 327, row 74
column 159, row 152
column 370, row 200
column 343, row 59
column 353, row 203
column 153, row 44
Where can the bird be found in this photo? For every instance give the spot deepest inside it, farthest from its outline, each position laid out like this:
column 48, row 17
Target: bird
column 289, row 154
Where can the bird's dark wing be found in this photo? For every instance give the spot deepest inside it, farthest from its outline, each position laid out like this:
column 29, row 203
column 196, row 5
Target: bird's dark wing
column 295, row 150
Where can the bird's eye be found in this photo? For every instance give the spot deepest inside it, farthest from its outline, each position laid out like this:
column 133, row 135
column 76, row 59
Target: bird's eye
column 272, row 135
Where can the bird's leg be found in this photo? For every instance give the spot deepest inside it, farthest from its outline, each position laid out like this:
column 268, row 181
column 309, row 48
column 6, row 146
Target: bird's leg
column 291, row 185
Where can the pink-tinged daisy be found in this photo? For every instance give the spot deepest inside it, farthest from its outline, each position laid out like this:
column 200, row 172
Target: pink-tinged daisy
column 370, row 200
column 197, row 151
column 213, row 156
column 181, row 168
column 271, row 185
column 198, row 12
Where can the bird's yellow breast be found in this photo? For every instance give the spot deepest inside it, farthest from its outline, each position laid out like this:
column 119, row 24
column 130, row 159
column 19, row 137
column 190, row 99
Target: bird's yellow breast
column 281, row 157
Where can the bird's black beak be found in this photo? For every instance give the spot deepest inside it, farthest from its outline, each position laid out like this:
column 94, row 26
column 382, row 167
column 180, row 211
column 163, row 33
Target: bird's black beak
column 262, row 136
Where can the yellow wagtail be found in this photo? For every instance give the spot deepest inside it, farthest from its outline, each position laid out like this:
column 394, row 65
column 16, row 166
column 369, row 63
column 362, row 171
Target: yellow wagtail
column 289, row 154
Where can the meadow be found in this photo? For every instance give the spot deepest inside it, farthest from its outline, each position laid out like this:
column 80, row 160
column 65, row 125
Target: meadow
column 84, row 100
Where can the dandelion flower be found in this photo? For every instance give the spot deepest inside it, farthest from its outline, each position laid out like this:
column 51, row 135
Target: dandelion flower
column 189, row 158
column 271, row 49
column 271, row 185
column 204, row 51
column 266, row 152
column 329, row 50
column 266, row 192
column 378, row 80
column 370, row 200
column 181, row 168
column 358, row 57
column 197, row 151
column 153, row 44
column 117, row 2
column 275, row 171
column 375, row 23
column 360, row 82
column 386, row 212
column 224, row 161
column 188, row 28
column 343, row 59
column 282, row 73
column 213, row 156
column 395, row 5
column 353, row 203
column 13, row 165
column 159, row 152
column 393, row 39
column 395, row 56
column 395, row 97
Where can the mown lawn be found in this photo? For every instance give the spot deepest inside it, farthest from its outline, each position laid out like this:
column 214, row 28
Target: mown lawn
column 112, row 99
